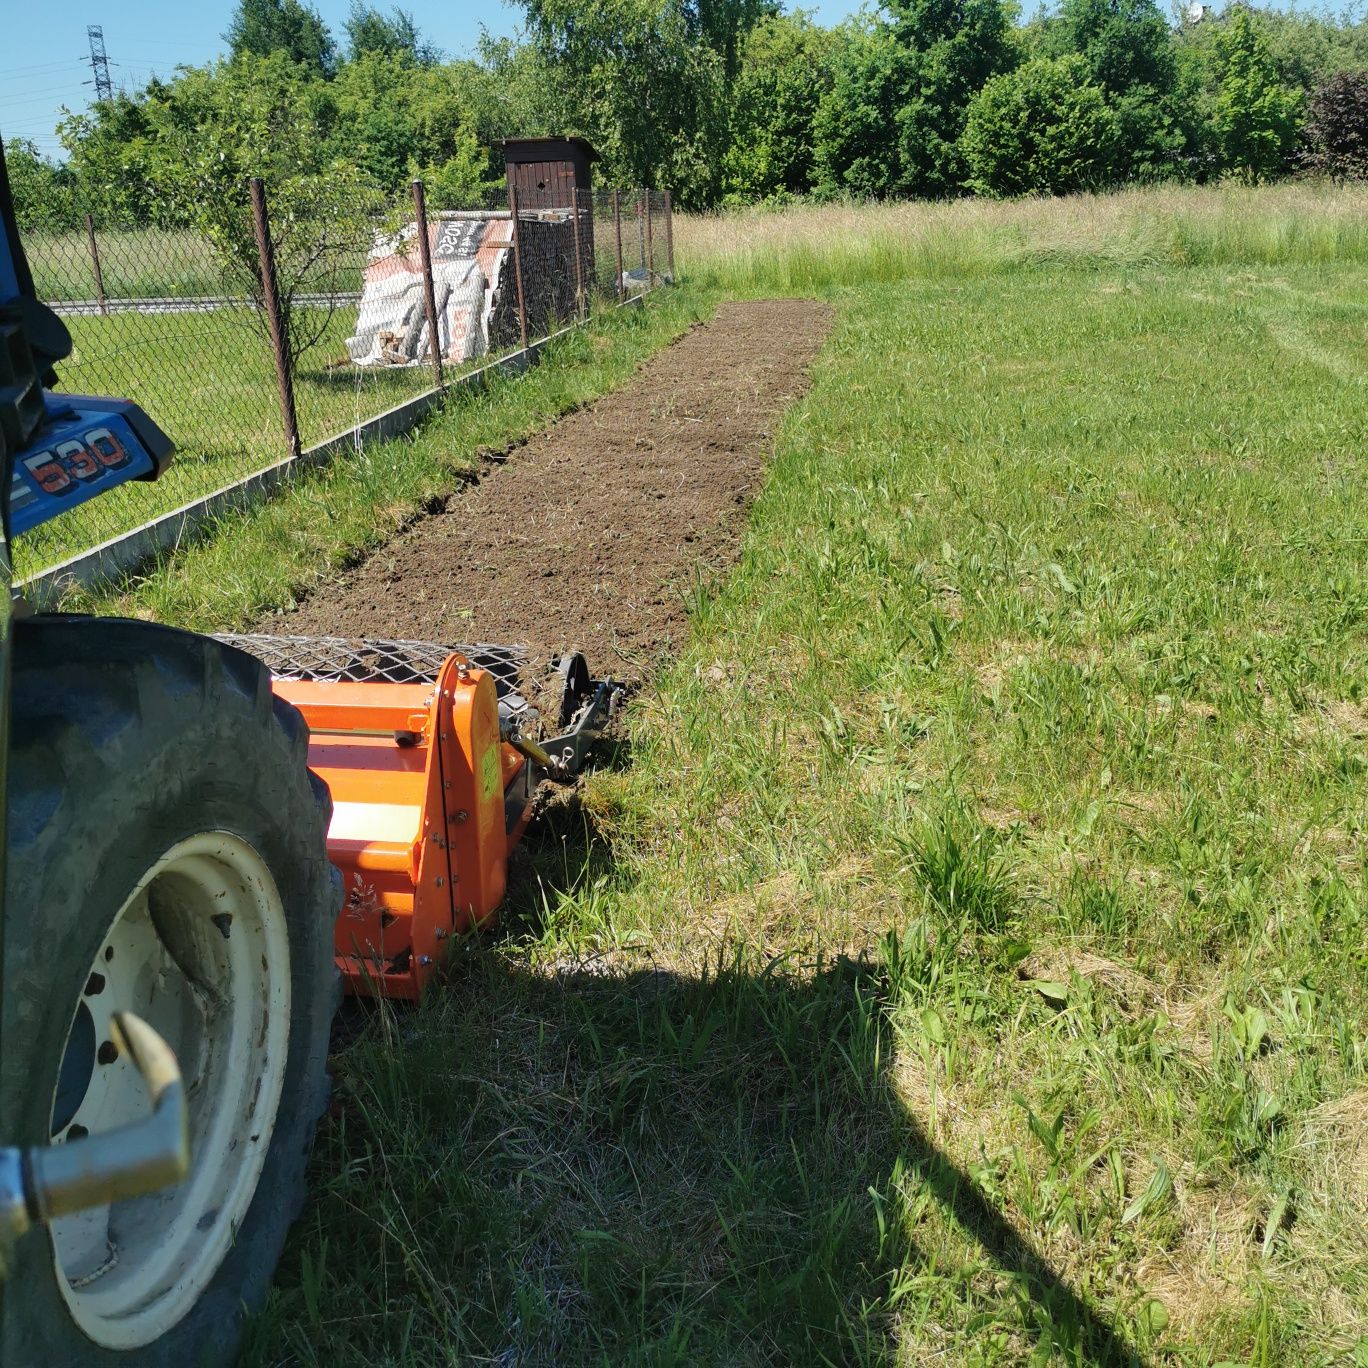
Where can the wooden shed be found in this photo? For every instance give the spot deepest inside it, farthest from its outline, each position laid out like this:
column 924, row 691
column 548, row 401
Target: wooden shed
column 553, row 181
column 546, row 171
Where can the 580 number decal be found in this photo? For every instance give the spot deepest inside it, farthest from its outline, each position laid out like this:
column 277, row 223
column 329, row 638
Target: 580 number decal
column 69, row 465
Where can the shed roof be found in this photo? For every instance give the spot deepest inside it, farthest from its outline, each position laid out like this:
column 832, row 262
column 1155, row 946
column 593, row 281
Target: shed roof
column 545, row 149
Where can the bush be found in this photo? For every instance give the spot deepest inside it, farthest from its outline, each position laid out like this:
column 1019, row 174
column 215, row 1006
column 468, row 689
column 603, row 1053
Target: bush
column 852, row 130
column 785, row 70
column 1337, row 126
column 1044, row 128
column 44, row 191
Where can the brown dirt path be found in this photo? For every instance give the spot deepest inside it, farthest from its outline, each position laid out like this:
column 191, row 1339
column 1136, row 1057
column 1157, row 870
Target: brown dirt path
column 588, row 534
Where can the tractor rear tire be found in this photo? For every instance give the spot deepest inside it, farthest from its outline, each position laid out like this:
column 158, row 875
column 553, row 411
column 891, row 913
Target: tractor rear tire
column 155, row 781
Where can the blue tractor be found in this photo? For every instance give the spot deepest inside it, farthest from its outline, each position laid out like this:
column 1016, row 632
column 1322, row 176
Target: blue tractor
column 168, row 971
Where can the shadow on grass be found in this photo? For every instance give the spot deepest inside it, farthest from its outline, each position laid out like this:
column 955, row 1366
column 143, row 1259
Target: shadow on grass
column 570, row 1158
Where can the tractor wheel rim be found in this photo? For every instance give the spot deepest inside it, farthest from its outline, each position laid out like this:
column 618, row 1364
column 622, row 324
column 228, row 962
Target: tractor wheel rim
column 200, row 950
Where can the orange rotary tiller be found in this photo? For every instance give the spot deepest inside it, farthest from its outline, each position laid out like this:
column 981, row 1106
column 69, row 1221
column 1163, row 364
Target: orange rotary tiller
column 431, row 757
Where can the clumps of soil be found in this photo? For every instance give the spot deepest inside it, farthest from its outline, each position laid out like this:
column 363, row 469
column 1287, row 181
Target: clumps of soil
column 588, row 536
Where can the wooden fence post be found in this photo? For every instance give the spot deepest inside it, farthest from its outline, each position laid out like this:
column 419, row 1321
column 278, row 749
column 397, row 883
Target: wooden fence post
column 270, row 298
column 517, row 264
column 617, row 234
column 650, row 246
column 669, row 235
column 580, row 302
column 95, row 262
column 429, row 294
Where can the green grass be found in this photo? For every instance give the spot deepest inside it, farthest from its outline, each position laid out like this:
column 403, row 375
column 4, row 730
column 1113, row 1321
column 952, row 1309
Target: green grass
column 965, row 959
column 262, row 559
column 135, row 263
column 209, row 379
column 823, row 247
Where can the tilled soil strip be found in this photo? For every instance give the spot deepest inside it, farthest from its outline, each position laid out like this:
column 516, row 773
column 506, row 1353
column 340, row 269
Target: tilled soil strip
column 589, row 534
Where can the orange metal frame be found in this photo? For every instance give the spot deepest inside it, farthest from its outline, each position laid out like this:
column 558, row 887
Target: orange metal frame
column 427, row 803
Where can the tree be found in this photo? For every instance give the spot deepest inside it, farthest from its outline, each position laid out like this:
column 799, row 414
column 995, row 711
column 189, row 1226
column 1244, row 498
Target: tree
column 369, row 31
column 1123, row 43
column 956, row 45
column 397, row 120
column 220, row 125
column 724, row 24
column 382, row 115
column 631, row 76
column 1254, row 119
column 44, row 192
column 900, row 90
column 510, row 91
column 1336, row 130
column 785, row 69
column 855, row 143
column 111, row 149
column 375, row 94
column 1129, row 53
column 261, row 27
column 648, row 81
column 1307, row 46
column 460, row 179
column 1044, row 128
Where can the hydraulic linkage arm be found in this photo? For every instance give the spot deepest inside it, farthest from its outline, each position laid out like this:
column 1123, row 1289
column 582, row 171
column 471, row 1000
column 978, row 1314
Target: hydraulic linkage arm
column 41, row 1184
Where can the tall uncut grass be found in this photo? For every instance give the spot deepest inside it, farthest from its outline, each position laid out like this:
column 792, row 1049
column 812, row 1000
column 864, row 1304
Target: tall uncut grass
column 815, row 247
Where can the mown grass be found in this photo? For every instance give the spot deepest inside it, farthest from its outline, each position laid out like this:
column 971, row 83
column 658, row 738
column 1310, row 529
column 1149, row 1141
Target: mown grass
column 964, row 959
column 264, row 558
column 135, row 263
column 1042, row 687
column 209, row 379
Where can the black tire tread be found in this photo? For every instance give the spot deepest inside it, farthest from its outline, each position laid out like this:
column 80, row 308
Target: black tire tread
column 97, row 705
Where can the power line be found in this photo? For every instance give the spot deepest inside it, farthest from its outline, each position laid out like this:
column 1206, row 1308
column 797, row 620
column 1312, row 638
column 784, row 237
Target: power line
column 34, row 97
column 28, row 121
column 160, row 62
column 36, row 86
column 99, row 62
column 21, row 71
column 63, row 79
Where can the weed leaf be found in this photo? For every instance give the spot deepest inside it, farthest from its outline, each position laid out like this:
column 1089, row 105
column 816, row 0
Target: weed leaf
column 1158, row 1191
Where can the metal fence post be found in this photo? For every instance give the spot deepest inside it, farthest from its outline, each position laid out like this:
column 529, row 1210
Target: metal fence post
column 669, row 235
column 95, row 262
column 580, row 308
column 270, row 298
column 517, row 264
column 617, row 235
column 650, row 247
column 429, row 294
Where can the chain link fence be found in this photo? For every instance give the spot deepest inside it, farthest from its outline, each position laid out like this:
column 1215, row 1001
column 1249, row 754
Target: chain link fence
column 280, row 331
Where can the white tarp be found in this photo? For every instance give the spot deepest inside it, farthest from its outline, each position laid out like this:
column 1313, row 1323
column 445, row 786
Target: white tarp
column 468, row 255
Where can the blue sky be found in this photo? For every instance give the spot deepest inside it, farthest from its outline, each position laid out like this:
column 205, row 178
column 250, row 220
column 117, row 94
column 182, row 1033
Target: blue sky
column 45, row 54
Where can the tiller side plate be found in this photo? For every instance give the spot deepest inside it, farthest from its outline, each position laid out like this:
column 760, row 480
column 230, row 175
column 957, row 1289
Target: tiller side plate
column 429, row 755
